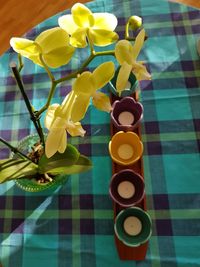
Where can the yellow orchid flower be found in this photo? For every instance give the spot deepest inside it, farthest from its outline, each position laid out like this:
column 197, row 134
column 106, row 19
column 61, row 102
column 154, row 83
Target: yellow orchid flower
column 82, row 23
column 126, row 54
column 58, row 123
column 52, row 44
column 85, row 87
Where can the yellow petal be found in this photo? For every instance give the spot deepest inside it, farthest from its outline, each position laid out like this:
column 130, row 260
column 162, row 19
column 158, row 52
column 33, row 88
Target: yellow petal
column 58, row 57
column 103, row 37
column 123, row 76
column 141, row 72
column 35, row 59
column 56, row 141
column 63, row 142
column 26, row 48
column 78, row 38
column 75, row 129
column 103, row 74
column 82, row 16
column 80, row 107
column 83, row 84
column 67, row 23
column 101, row 101
column 50, row 115
column 124, row 52
column 52, row 38
column 139, row 41
column 104, row 21
column 55, row 47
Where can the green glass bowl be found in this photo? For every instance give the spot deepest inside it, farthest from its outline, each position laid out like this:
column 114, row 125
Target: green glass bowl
column 127, row 92
column 31, row 185
column 133, row 240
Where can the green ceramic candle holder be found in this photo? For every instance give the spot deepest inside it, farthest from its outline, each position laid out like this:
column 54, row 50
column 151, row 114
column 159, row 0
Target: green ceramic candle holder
column 128, row 91
column 133, row 226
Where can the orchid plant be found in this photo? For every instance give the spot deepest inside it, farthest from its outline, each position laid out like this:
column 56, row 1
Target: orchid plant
column 54, row 48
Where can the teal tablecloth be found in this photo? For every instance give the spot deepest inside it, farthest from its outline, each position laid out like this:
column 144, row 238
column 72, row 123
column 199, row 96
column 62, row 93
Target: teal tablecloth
column 73, row 225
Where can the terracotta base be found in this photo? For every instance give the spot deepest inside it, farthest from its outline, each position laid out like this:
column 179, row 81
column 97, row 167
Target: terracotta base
column 126, row 252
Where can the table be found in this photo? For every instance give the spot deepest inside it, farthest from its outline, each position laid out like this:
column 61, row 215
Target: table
column 73, row 225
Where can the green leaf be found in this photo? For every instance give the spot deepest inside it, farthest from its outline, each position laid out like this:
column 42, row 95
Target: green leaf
column 68, row 158
column 11, row 169
column 83, row 164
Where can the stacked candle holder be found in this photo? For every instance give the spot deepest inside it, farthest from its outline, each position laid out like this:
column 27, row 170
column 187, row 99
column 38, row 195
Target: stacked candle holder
column 132, row 224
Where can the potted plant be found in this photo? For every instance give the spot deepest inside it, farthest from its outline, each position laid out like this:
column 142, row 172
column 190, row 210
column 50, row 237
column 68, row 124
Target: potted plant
column 45, row 159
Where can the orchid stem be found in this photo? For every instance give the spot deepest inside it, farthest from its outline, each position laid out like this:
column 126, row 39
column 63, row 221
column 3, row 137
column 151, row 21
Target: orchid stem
column 85, row 64
column 28, row 105
column 74, row 74
column 45, row 107
column 51, row 77
column 21, row 65
column 127, row 30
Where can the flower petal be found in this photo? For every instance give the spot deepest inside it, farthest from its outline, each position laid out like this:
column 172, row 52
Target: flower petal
column 67, row 23
column 55, row 46
column 52, row 39
column 123, row 76
column 78, row 38
column 105, row 21
column 123, row 52
column 103, row 37
column 80, row 107
column 83, row 84
column 137, row 46
column 140, row 71
column 56, row 139
column 103, row 74
column 26, row 48
column 63, row 142
column 82, row 15
column 101, row 101
column 75, row 129
column 50, row 115
column 59, row 57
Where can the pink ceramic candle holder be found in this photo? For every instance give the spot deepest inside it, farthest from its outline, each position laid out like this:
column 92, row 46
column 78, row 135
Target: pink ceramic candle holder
column 126, row 114
column 127, row 188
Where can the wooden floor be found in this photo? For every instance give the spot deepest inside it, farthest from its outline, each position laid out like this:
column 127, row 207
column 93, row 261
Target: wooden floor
column 19, row 16
column 193, row 3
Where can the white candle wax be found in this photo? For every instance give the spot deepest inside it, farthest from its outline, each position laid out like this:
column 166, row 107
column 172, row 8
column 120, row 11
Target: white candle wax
column 126, row 118
column 126, row 189
column 132, row 225
column 125, row 151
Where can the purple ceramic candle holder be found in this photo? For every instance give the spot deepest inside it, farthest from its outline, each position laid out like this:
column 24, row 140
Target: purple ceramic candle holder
column 126, row 114
column 127, row 188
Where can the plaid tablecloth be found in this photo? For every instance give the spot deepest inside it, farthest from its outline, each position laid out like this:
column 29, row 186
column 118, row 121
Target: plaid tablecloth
column 73, row 225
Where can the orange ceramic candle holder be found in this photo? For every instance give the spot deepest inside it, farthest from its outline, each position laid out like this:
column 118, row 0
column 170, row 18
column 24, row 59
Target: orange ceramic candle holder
column 125, row 148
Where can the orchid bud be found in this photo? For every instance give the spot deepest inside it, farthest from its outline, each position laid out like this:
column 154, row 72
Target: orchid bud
column 135, row 22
